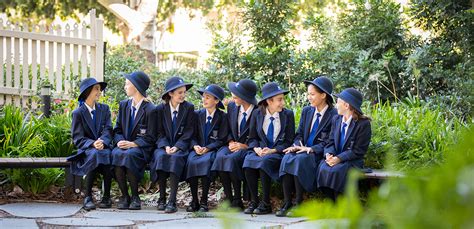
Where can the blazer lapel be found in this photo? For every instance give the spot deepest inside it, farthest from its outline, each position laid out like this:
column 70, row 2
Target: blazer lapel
column 139, row 115
column 235, row 122
column 168, row 121
column 214, row 121
column 260, row 130
column 87, row 116
column 337, row 135
column 324, row 120
column 282, row 125
column 128, row 112
column 182, row 110
column 308, row 121
column 98, row 113
column 349, row 131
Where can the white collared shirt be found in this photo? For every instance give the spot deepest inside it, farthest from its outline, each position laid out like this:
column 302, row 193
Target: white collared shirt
column 208, row 114
column 137, row 106
column 90, row 109
column 348, row 122
column 241, row 115
column 172, row 110
column 276, row 124
column 316, row 113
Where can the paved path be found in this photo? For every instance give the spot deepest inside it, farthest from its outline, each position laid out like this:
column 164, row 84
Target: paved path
column 52, row 215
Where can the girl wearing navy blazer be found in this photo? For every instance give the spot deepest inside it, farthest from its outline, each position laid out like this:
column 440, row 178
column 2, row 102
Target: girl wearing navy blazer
column 91, row 132
column 298, row 167
column 133, row 148
column 210, row 133
column 348, row 143
column 272, row 130
column 175, row 122
column 230, row 158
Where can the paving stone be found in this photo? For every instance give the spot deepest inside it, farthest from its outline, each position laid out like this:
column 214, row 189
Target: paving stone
column 17, row 223
column 207, row 223
column 325, row 223
column 140, row 215
column 87, row 222
column 40, row 210
column 271, row 218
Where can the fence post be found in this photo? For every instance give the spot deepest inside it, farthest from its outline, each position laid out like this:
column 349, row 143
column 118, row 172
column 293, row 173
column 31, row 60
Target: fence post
column 46, row 98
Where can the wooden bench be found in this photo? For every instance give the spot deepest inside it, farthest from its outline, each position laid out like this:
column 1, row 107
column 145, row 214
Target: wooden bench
column 50, row 162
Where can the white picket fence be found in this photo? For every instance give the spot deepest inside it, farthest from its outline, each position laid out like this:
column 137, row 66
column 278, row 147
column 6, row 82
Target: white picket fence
column 60, row 56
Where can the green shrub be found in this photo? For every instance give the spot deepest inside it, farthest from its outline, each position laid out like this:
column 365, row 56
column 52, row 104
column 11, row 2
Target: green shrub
column 431, row 197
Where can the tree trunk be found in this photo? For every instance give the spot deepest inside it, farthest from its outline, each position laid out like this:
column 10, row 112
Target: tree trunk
column 139, row 21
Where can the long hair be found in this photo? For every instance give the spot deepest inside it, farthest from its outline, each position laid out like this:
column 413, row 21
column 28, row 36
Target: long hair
column 263, row 107
column 356, row 115
column 84, row 96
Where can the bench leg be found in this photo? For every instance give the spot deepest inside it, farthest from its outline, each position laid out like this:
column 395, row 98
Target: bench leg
column 73, row 181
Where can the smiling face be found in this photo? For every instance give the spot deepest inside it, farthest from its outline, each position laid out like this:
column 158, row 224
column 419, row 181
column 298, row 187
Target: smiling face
column 316, row 97
column 209, row 101
column 178, row 95
column 130, row 89
column 95, row 93
column 276, row 103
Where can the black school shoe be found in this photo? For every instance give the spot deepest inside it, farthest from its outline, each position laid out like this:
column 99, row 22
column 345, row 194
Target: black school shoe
column 171, row 207
column 252, row 206
column 237, row 204
column 106, row 202
column 136, row 203
column 193, row 207
column 124, row 203
column 88, row 203
column 263, row 208
column 284, row 210
column 161, row 204
column 203, row 207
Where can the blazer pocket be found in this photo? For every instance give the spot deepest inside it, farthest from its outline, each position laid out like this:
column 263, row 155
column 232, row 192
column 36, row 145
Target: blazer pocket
column 351, row 144
column 214, row 134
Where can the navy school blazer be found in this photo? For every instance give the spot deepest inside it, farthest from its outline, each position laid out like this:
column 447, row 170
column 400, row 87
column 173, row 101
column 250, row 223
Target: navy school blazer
column 257, row 137
column 357, row 140
column 185, row 126
column 140, row 126
column 83, row 132
column 219, row 130
column 324, row 128
column 233, row 122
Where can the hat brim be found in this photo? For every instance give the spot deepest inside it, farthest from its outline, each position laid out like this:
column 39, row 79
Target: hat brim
column 235, row 91
column 284, row 92
column 103, row 85
column 143, row 92
column 219, row 105
column 187, row 85
column 350, row 103
column 307, row 82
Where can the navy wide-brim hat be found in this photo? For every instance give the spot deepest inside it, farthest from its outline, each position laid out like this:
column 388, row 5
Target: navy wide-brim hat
column 353, row 97
column 324, row 84
column 174, row 83
column 271, row 89
column 140, row 80
column 87, row 83
column 245, row 89
column 215, row 91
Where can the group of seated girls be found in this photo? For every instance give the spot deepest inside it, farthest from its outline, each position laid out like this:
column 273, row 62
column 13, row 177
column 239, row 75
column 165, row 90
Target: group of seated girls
column 247, row 142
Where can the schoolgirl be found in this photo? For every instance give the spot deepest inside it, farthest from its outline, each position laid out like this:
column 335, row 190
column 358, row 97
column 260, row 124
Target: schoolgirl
column 133, row 149
column 272, row 130
column 210, row 133
column 175, row 121
column 348, row 143
column 298, row 167
column 91, row 132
